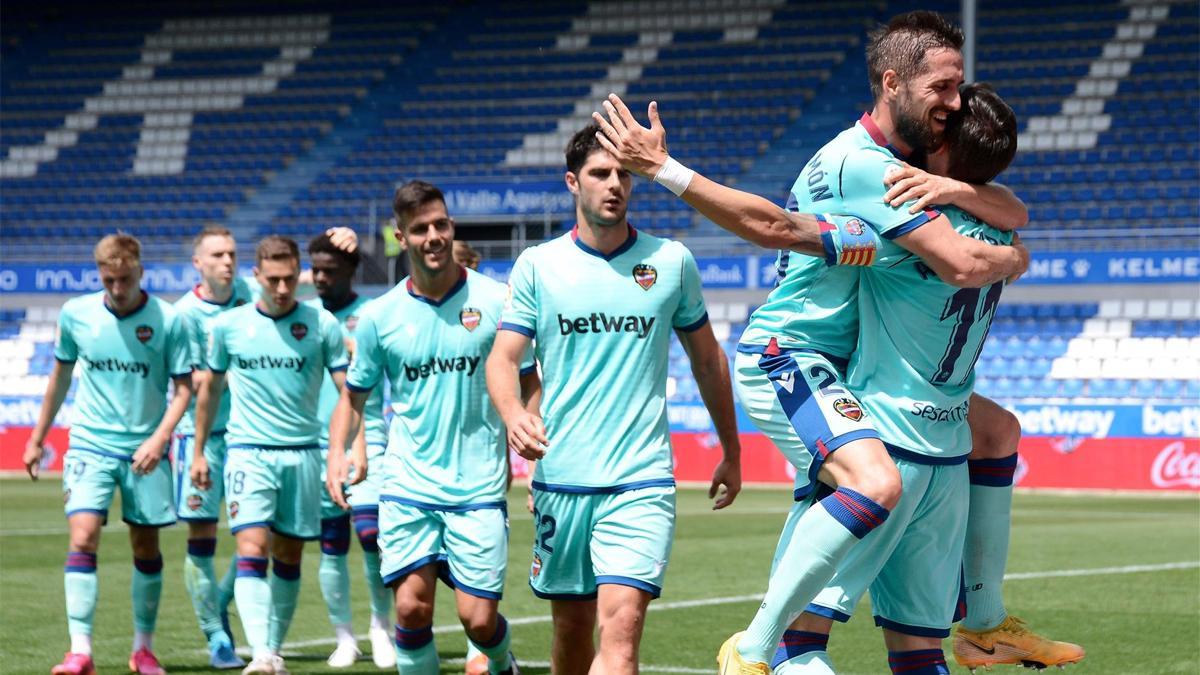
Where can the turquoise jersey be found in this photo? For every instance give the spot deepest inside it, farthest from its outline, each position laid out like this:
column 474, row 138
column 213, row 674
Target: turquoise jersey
column 376, row 430
column 200, row 314
column 275, row 365
column 601, row 326
column 919, row 338
column 446, row 445
column 814, row 306
column 127, row 363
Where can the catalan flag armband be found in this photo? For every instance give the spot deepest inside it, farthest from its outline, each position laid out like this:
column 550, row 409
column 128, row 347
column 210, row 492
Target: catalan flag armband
column 848, row 240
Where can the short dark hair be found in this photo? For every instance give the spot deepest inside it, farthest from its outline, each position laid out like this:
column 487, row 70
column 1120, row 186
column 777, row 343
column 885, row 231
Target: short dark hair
column 901, row 45
column 982, row 135
column 323, row 244
column 581, row 146
column 413, row 195
column 276, row 247
column 210, row 231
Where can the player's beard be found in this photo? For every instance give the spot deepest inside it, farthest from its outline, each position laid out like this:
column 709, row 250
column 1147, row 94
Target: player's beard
column 911, row 127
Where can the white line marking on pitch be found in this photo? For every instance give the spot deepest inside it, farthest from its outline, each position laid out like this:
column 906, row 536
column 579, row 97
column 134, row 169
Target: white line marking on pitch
column 734, row 599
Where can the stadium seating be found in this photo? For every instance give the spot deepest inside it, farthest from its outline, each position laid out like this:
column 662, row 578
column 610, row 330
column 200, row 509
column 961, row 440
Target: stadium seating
column 159, row 125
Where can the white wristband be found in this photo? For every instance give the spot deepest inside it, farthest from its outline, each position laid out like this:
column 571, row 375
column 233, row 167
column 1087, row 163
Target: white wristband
column 674, row 176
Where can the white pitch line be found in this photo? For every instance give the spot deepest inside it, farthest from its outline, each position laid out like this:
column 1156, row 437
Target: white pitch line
column 734, row 599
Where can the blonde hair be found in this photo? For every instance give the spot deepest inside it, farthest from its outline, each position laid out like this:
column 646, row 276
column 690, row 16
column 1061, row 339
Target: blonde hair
column 118, row 250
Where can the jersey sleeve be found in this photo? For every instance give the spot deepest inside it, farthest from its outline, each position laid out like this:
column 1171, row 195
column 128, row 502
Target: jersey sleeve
column 217, row 359
column 332, row 343
column 691, row 313
column 366, row 367
column 863, row 188
column 520, row 308
column 65, row 348
column 179, row 348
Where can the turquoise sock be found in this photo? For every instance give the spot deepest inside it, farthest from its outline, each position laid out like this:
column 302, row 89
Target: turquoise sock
column 822, row 538
column 416, row 653
column 146, row 591
column 285, row 588
column 253, row 596
column 79, row 582
column 225, row 588
column 985, row 553
column 381, row 596
column 334, row 576
column 200, row 579
column 497, row 647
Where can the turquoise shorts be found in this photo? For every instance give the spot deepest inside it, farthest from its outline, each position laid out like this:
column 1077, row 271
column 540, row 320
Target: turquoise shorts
column 584, row 540
column 468, row 543
column 91, row 477
column 193, row 504
column 912, row 563
column 279, row 489
column 365, row 493
column 797, row 399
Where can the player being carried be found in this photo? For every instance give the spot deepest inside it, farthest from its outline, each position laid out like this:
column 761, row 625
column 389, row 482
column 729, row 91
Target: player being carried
column 442, row 510
column 275, row 352
column 915, row 68
column 132, row 346
column 600, row 304
column 214, row 256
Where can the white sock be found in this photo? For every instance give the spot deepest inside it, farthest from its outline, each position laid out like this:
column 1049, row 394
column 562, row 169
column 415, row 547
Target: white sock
column 81, row 643
column 141, row 639
column 344, row 635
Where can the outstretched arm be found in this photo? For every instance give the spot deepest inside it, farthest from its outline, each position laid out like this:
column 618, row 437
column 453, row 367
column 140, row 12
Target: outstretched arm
column 753, row 218
column 994, row 204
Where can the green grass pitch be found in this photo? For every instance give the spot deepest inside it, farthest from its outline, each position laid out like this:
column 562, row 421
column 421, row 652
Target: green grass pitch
column 1120, row 575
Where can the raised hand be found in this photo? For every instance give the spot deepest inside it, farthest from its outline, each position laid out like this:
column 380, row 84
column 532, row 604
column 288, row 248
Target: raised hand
column 639, row 149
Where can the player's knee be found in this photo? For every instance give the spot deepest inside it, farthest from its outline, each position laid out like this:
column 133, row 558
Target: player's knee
column 412, row 611
column 480, row 626
column 998, row 438
column 622, row 624
column 575, row 621
column 880, row 483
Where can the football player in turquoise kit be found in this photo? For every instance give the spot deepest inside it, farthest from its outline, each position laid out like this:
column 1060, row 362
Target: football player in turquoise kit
column 214, row 255
column 275, row 353
column 600, row 304
column 442, row 509
column 333, row 277
column 132, row 346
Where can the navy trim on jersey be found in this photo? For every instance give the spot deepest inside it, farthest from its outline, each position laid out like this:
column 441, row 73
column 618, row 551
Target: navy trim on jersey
column 458, row 286
column 294, row 536
column 449, row 508
column 252, row 446
column 919, row 631
column 189, row 519
column 619, row 580
column 62, row 360
column 217, row 371
column 625, row 246
column 921, row 218
column 102, row 453
column 285, row 315
column 357, row 389
column 339, row 369
column 176, row 376
column 694, row 326
column 836, row 361
column 518, row 328
column 120, row 317
column 827, row 612
column 529, row 370
column 603, row 490
column 919, row 458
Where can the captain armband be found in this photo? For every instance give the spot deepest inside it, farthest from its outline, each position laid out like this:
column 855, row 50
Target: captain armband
column 848, row 240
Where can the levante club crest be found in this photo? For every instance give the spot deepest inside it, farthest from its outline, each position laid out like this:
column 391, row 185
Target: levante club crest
column 849, row 409
column 469, row 318
column 144, row 333
column 645, row 276
column 299, row 330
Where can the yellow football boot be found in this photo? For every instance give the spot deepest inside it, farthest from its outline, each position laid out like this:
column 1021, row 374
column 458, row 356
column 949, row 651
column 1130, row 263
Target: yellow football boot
column 1012, row 642
column 729, row 662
